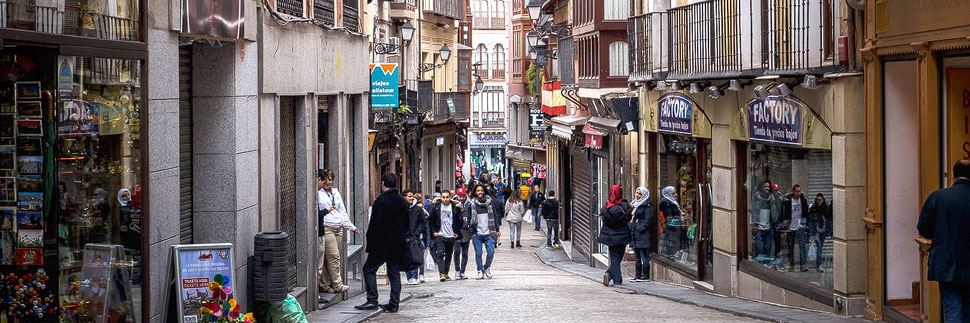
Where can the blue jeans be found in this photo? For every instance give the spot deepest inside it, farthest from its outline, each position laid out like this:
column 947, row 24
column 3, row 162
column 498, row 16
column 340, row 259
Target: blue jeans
column 762, row 242
column 956, row 302
column 616, row 256
column 536, row 217
column 489, row 243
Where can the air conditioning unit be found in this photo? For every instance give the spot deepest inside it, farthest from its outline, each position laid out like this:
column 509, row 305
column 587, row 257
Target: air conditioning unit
column 394, row 41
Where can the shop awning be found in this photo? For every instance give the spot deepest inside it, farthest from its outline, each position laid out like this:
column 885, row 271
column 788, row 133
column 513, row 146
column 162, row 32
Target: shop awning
column 594, row 137
column 563, row 126
column 604, row 125
column 629, row 111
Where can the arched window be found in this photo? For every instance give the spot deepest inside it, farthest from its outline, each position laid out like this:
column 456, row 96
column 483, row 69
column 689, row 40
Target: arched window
column 498, row 58
column 481, row 57
column 619, row 59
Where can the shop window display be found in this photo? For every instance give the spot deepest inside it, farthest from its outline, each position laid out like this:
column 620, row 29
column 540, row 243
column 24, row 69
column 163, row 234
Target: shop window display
column 70, row 194
column 790, row 214
column 678, row 200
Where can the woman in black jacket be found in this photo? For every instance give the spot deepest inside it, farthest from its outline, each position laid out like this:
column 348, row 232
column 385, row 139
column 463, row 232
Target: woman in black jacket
column 615, row 233
column 641, row 228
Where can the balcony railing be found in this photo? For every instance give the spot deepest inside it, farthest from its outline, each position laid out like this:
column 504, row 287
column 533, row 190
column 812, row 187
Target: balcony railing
column 454, row 9
column 798, row 34
column 69, row 20
column 705, row 39
column 566, row 53
column 731, row 38
column 498, row 74
column 450, row 106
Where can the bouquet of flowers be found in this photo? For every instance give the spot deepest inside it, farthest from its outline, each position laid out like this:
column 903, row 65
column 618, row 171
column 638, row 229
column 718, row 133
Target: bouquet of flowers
column 219, row 307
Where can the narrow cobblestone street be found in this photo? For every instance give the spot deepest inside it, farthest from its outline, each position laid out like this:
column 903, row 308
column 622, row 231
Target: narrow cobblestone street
column 525, row 289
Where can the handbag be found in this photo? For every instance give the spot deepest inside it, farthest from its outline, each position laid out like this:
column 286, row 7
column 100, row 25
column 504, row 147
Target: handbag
column 528, row 216
column 413, row 254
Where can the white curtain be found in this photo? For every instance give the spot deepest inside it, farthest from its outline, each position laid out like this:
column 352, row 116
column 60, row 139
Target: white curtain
column 619, row 59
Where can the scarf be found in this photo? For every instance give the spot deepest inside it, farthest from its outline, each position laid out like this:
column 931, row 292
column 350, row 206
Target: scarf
column 637, row 202
column 483, row 201
column 616, row 196
column 121, row 201
column 763, row 200
column 668, row 194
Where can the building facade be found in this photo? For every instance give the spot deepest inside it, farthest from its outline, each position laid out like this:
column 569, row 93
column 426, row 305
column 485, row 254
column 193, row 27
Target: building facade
column 916, row 85
column 489, row 106
column 710, row 130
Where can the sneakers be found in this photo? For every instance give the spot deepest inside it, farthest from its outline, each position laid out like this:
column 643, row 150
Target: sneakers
column 442, row 277
column 606, row 280
column 448, row 277
column 635, row 280
column 488, row 273
column 461, row 276
column 481, row 275
column 412, row 281
column 421, row 279
column 820, row 269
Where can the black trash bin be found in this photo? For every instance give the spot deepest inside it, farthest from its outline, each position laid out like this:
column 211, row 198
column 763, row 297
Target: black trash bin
column 271, row 267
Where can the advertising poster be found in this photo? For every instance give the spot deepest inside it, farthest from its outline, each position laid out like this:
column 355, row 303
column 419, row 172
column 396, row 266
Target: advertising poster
column 196, row 267
column 674, row 113
column 65, row 76
column 776, row 119
column 383, row 86
column 213, row 18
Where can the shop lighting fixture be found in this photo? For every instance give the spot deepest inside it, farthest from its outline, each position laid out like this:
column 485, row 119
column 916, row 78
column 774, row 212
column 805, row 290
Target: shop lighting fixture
column 661, row 85
column 716, row 92
column 695, row 88
column 810, row 82
column 735, row 85
column 784, row 89
column 762, row 91
column 675, row 85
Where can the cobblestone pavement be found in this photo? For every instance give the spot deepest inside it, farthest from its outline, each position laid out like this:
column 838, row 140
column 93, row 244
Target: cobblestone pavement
column 525, row 289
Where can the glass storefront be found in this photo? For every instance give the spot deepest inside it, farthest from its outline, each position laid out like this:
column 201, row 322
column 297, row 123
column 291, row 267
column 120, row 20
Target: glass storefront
column 488, row 160
column 70, row 189
column 681, row 169
column 789, row 234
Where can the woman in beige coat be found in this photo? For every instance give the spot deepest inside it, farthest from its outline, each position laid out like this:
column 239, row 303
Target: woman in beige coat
column 514, row 211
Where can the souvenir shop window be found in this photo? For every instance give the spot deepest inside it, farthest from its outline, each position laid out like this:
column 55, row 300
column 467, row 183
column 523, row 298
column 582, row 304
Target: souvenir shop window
column 70, row 195
column 790, row 211
column 678, row 211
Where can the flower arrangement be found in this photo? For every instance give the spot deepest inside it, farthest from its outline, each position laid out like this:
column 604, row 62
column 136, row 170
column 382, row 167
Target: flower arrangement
column 219, row 307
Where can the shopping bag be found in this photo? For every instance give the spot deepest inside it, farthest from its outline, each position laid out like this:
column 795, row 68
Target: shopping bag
column 812, row 250
column 413, row 254
column 429, row 262
column 528, row 216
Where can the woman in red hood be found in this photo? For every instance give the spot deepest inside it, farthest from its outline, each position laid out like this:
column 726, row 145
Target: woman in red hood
column 615, row 233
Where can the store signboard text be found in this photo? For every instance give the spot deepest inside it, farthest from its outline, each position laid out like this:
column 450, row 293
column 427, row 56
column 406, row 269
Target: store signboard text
column 675, row 111
column 383, row 85
column 776, row 119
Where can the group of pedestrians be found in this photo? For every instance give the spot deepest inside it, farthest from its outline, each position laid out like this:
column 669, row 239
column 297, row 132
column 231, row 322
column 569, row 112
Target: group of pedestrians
column 627, row 224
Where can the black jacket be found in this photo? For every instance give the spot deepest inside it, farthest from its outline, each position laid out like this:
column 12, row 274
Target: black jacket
column 615, row 231
column 550, row 209
column 786, row 211
column 417, row 221
column 642, row 226
column 944, row 219
column 499, row 207
column 434, row 219
column 535, row 200
column 388, row 226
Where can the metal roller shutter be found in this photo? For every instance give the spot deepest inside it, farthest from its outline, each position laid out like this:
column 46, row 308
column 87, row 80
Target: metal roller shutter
column 819, row 174
column 580, row 199
column 287, row 171
column 185, row 144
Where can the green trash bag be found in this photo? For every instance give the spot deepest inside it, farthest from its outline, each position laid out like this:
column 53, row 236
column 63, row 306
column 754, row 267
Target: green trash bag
column 285, row 311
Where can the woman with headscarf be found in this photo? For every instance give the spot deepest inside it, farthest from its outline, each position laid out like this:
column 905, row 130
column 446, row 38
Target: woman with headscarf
column 819, row 219
column 641, row 228
column 615, row 233
column 670, row 241
column 130, row 226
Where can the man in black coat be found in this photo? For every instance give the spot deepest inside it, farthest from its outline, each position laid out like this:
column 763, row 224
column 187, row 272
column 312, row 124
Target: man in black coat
column 385, row 243
column 944, row 219
column 535, row 201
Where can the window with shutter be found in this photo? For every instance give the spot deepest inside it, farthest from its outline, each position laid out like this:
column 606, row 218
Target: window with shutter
column 323, row 11
column 351, row 16
column 619, row 59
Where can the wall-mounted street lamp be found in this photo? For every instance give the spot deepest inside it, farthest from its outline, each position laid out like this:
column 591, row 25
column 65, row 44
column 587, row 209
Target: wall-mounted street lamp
column 407, row 33
column 535, row 6
column 445, row 54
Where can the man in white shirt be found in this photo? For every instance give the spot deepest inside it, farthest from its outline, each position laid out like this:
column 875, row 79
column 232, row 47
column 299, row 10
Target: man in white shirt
column 332, row 220
column 795, row 210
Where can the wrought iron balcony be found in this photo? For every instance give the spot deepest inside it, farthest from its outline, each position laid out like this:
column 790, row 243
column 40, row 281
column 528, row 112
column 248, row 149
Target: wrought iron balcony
column 71, row 19
column 417, row 94
column 797, row 36
column 454, row 9
column 449, row 106
column 705, row 39
column 493, row 120
column 638, row 37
